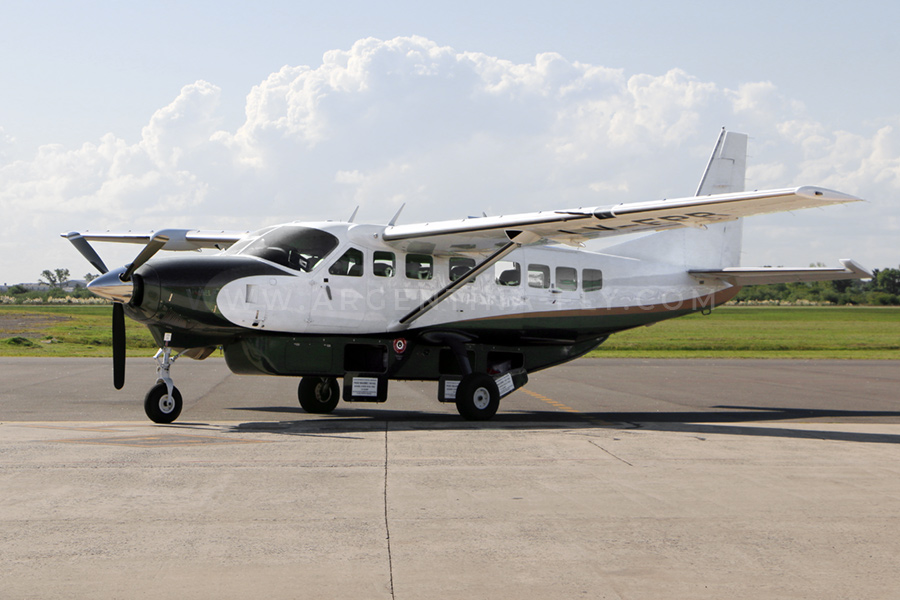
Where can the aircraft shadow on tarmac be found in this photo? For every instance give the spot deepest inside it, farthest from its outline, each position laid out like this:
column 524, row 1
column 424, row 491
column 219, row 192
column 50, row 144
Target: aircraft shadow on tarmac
column 724, row 420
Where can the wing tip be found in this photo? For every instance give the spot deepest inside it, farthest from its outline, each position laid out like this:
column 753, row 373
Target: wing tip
column 851, row 265
column 825, row 195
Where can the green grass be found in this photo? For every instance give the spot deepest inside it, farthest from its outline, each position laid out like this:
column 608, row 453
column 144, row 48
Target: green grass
column 729, row 332
column 63, row 330
column 766, row 332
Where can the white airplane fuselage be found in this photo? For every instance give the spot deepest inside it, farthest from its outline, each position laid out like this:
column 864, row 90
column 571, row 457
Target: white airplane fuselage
column 549, row 282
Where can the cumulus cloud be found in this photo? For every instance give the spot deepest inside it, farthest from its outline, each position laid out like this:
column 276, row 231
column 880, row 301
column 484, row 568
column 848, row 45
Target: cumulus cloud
column 448, row 132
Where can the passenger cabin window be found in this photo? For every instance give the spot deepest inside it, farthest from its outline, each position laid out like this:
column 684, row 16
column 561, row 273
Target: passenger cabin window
column 591, row 280
column 383, row 264
column 419, row 266
column 566, row 278
column 539, row 276
column 507, row 273
column 300, row 248
column 349, row 265
column 459, row 266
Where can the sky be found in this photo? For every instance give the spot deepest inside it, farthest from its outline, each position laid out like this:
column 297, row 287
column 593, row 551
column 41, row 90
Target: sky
column 122, row 115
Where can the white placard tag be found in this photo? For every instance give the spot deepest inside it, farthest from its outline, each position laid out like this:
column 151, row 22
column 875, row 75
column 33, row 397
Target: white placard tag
column 505, row 384
column 450, row 388
column 365, row 387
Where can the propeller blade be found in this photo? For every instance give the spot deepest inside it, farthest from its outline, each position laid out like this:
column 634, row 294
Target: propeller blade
column 156, row 243
column 86, row 251
column 118, row 339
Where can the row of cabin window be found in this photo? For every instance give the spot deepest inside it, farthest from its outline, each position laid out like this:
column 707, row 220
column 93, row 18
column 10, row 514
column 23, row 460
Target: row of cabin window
column 566, row 278
column 507, row 273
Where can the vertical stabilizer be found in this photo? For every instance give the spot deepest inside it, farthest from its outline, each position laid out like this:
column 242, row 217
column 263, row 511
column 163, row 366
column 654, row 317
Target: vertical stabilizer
column 727, row 166
column 717, row 245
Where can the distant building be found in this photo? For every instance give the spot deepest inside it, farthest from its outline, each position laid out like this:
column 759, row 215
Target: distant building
column 31, row 287
column 74, row 284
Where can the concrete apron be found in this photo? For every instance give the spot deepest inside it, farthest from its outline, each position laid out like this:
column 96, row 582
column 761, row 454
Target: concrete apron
column 414, row 510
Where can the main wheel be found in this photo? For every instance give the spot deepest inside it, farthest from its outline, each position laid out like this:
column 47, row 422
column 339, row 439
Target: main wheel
column 319, row 395
column 159, row 406
column 477, row 397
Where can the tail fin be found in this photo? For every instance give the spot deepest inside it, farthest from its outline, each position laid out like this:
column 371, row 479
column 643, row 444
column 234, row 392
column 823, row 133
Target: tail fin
column 717, row 246
column 727, row 166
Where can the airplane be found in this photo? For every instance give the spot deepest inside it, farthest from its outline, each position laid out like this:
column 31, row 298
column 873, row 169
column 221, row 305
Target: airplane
column 476, row 304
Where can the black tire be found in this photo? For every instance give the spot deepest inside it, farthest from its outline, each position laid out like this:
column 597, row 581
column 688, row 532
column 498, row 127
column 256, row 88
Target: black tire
column 477, row 397
column 319, row 395
column 159, row 407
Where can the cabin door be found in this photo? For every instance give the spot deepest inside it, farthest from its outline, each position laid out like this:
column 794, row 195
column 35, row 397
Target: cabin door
column 339, row 293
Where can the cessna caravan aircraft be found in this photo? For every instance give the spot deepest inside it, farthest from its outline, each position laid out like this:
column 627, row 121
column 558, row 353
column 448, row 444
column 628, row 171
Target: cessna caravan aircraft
column 476, row 303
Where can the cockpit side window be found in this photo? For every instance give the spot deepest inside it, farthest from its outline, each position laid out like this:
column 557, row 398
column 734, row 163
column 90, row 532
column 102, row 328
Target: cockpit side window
column 349, row 264
column 300, row 248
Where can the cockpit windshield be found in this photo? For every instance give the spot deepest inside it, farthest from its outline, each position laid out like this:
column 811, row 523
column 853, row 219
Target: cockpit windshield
column 300, row 248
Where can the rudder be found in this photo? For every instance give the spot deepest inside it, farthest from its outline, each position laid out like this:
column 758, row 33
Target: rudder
column 727, row 167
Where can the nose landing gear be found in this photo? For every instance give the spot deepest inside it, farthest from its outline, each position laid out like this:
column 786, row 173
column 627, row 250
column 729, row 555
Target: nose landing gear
column 163, row 402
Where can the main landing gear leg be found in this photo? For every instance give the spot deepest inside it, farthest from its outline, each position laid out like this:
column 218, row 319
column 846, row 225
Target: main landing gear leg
column 163, row 402
column 477, row 397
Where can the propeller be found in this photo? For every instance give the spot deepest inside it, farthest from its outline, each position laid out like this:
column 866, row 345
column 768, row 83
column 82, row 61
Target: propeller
column 116, row 286
column 156, row 243
column 118, row 340
column 86, row 251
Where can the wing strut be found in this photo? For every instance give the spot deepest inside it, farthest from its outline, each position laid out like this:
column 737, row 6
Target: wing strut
column 517, row 238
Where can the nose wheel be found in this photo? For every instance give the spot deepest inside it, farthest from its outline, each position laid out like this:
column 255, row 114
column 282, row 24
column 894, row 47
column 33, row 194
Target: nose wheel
column 163, row 402
column 161, row 405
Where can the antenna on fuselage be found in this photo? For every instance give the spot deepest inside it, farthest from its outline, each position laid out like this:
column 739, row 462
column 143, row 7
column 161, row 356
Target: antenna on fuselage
column 353, row 216
column 393, row 221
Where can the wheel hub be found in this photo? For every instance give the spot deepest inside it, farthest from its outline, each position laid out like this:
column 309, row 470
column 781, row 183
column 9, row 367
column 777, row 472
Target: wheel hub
column 323, row 392
column 166, row 404
column 481, row 398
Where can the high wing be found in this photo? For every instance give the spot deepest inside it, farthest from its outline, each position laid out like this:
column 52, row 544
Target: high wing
column 574, row 226
column 164, row 239
column 742, row 276
column 178, row 239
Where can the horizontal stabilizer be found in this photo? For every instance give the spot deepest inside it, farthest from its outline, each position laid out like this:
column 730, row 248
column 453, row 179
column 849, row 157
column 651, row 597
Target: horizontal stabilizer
column 758, row 276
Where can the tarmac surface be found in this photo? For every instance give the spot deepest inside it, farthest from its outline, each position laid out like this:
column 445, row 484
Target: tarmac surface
column 599, row 479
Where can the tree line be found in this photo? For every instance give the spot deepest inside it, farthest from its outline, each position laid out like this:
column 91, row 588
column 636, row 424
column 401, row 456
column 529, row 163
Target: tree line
column 882, row 290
